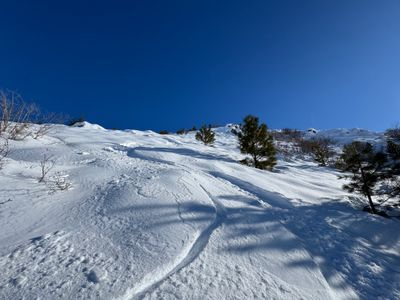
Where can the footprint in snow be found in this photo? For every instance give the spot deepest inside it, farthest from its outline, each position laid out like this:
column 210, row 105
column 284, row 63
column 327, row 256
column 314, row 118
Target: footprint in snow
column 93, row 277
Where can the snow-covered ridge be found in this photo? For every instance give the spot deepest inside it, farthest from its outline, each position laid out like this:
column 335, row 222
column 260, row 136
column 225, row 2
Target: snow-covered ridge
column 164, row 217
column 341, row 135
column 344, row 136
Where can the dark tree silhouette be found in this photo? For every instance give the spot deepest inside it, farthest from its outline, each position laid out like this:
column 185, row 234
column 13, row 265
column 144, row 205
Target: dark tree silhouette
column 206, row 135
column 256, row 140
column 367, row 167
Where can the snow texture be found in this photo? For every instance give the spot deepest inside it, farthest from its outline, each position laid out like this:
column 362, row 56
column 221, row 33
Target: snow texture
column 152, row 216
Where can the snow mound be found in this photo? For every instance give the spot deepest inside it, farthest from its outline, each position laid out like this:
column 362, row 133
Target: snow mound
column 87, row 125
column 228, row 128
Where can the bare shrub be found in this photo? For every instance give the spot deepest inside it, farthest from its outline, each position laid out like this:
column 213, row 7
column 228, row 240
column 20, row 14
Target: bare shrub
column 4, row 150
column 287, row 150
column 62, row 183
column 292, row 133
column 286, row 142
column 320, row 149
column 15, row 115
column 19, row 119
column 44, row 123
column 6, row 108
column 46, row 164
column 41, row 130
column 287, row 134
column 59, row 182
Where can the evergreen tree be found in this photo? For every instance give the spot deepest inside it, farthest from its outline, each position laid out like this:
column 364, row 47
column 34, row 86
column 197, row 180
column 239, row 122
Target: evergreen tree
column 254, row 139
column 393, row 151
column 368, row 168
column 181, row 131
column 206, row 135
column 393, row 134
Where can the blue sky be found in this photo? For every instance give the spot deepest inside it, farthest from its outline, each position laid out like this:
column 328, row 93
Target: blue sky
column 174, row 64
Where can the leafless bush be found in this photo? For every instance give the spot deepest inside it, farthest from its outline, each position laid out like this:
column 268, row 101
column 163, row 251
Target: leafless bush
column 15, row 115
column 292, row 133
column 6, row 107
column 19, row 119
column 288, row 151
column 46, row 164
column 44, row 123
column 41, row 130
column 286, row 142
column 4, row 150
column 287, row 134
column 59, row 182
column 306, row 146
column 320, row 149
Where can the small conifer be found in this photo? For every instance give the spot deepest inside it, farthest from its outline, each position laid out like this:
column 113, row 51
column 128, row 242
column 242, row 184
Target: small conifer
column 367, row 167
column 206, row 135
column 256, row 140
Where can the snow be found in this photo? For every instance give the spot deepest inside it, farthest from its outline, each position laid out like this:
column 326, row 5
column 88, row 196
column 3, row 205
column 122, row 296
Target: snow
column 164, row 217
column 87, row 125
column 344, row 136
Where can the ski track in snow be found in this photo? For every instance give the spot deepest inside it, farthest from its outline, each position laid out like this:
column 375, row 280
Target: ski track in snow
column 265, row 198
column 188, row 255
column 200, row 243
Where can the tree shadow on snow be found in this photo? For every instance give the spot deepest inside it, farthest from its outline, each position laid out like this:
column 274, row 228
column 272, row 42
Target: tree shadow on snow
column 338, row 238
column 335, row 238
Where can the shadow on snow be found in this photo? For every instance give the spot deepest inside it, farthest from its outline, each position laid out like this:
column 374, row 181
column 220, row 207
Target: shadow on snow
column 339, row 239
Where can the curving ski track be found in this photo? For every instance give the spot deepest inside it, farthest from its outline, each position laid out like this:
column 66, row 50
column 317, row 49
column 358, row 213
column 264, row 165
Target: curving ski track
column 189, row 255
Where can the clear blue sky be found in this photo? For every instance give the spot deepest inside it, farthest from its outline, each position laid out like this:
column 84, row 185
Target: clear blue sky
column 172, row 64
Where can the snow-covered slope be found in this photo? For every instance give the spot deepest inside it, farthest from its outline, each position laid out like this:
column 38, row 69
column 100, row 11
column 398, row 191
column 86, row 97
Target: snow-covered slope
column 165, row 217
column 344, row 136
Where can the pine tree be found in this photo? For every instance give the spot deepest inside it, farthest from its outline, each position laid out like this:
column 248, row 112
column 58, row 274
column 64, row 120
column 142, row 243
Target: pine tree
column 206, row 135
column 393, row 134
column 368, row 168
column 181, row 131
column 254, row 139
column 393, row 151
